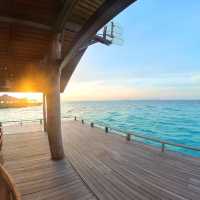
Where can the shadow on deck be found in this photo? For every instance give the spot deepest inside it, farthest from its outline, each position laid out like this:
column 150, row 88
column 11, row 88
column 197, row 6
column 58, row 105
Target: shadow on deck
column 97, row 166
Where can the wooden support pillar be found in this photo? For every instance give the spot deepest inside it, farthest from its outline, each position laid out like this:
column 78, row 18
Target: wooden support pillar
column 53, row 99
column 53, row 116
column 44, row 113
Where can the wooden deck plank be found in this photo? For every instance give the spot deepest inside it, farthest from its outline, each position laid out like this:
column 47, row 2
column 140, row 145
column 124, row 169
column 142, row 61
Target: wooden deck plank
column 131, row 169
column 36, row 176
column 97, row 166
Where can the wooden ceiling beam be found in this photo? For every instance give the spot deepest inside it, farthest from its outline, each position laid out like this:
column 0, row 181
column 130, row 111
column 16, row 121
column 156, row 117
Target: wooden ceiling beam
column 25, row 22
column 68, row 26
column 103, row 15
column 64, row 14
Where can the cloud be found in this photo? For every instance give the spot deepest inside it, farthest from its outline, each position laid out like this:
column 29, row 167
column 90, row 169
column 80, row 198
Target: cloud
column 169, row 86
column 99, row 90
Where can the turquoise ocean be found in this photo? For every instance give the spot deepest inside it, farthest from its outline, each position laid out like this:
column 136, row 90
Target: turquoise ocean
column 175, row 121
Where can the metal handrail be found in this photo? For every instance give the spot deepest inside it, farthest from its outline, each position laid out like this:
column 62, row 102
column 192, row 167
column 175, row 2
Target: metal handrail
column 163, row 142
column 29, row 120
column 128, row 137
column 128, row 134
column 19, row 121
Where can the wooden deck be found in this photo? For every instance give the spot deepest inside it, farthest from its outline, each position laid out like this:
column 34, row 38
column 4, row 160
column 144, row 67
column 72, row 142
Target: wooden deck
column 27, row 158
column 98, row 166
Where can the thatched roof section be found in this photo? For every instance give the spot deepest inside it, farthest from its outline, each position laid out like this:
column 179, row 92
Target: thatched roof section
column 26, row 31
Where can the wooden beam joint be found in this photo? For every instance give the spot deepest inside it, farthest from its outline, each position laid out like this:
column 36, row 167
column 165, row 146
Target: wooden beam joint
column 64, row 15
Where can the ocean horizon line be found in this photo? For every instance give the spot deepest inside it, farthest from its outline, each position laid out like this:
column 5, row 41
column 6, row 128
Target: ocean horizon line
column 108, row 100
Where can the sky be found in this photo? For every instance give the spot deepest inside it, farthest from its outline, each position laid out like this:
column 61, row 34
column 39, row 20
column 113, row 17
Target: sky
column 159, row 58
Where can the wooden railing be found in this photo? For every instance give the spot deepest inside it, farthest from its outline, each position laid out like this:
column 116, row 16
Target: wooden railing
column 129, row 137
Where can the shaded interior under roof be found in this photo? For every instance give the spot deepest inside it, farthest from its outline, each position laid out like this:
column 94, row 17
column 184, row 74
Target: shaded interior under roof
column 26, row 31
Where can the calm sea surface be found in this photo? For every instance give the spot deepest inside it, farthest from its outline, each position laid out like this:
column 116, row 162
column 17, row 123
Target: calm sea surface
column 176, row 121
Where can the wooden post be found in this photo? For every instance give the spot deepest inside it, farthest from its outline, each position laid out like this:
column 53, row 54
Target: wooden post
column 163, row 147
column 128, row 137
column 53, row 99
column 106, row 129
column 44, row 112
column 52, row 92
column 53, row 116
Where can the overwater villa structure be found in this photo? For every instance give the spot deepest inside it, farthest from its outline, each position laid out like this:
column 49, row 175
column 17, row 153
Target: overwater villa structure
column 41, row 43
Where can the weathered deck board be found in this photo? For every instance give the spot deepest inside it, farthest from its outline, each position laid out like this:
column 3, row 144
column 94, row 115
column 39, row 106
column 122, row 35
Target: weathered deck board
column 116, row 169
column 27, row 158
column 112, row 168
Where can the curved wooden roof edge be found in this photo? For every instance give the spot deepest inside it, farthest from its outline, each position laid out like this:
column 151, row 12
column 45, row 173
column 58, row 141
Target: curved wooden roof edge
column 103, row 15
column 25, row 36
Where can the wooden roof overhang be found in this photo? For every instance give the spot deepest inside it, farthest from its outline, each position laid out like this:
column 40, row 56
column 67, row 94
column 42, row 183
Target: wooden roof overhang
column 27, row 28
